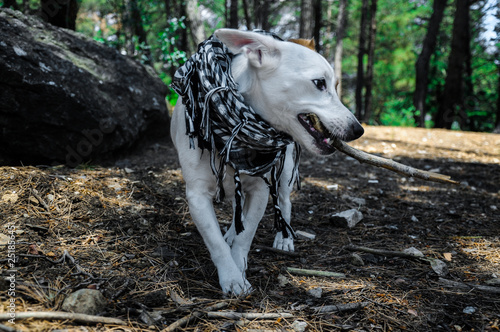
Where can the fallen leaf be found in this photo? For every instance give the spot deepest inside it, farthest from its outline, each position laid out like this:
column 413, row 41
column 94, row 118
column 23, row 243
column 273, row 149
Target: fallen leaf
column 413, row 312
column 447, row 256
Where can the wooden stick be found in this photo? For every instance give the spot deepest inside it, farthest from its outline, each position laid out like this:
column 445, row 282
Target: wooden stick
column 469, row 287
column 278, row 251
column 381, row 252
column 59, row 315
column 391, row 164
column 193, row 316
column 314, row 273
column 341, row 307
column 248, row 315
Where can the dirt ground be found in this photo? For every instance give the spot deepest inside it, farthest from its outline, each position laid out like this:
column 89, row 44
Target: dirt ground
column 128, row 229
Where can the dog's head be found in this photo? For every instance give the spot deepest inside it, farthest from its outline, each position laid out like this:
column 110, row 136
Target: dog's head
column 292, row 87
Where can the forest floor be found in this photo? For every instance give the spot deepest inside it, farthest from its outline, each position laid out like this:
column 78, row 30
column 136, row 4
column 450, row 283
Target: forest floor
column 129, row 231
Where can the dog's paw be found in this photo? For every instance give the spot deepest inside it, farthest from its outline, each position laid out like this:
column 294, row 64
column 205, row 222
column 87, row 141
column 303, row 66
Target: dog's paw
column 235, row 285
column 282, row 243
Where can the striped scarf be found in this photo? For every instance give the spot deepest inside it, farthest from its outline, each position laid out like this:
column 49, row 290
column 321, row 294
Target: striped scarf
column 217, row 116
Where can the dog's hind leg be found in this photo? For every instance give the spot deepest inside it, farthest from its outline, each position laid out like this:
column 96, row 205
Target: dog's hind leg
column 287, row 181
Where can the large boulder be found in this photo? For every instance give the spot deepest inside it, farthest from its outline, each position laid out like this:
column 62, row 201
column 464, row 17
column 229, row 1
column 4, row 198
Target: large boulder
column 65, row 98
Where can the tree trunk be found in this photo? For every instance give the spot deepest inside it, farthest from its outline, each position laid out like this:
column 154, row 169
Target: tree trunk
column 306, row 19
column 317, row 24
column 371, row 60
column 233, row 14
column 137, row 29
column 195, row 23
column 261, row 10
column 247, row 15
column 453, row 89
column 183, row 37
column 265, row 14
column 60, row 13
column 423, row 61
column 10, row 4
column 361, row 54
column 339, row 48
column 497, row 122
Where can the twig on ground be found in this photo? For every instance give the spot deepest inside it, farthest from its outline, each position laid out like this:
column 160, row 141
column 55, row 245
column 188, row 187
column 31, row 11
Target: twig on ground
column 314, row 273
column 248, row 315
column 196, row 314
column 381, row 252
column 7, row 328
column 469, row 287
column 340, row 307
column 40, row 200
column 278, row 251
column 73, row 262
column 391, row 164
column 58, row 315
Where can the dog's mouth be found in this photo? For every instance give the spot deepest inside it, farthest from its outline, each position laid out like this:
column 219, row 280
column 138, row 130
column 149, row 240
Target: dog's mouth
column 323, row 138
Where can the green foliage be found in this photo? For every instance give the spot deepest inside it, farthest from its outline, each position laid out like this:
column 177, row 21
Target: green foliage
column 167, row 42
column 401, row 29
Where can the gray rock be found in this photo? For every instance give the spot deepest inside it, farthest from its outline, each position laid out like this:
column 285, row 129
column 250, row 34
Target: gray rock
column 348, row 218
column 315, row 292
column 65, row 98
column 85, row 301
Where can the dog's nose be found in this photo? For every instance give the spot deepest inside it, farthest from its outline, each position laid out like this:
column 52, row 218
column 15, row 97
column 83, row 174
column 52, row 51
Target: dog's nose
column 355, row 132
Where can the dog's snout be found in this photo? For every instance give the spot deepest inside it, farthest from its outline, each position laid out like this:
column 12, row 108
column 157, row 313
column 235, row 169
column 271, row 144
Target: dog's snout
column 355, row 132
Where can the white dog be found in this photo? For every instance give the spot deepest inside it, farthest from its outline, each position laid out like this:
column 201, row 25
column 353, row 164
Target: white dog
column 293, row 89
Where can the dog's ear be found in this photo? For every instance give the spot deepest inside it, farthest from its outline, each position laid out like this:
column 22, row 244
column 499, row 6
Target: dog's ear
column 309, row 43
column 260, row 49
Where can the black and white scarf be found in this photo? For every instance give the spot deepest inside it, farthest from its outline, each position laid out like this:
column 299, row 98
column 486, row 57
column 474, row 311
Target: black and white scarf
column 217, row 116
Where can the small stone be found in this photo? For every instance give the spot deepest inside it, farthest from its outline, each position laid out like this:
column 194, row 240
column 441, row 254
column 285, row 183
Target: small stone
column 439, row 267
column 315, row 292
column 85, row 301
column 469, row 310
column 299, row 326
column 413, row 251
column 151, row 318
column 357, row 260
column 10, row 198
column 348, row 218
column 4, row 239
column 282, row 280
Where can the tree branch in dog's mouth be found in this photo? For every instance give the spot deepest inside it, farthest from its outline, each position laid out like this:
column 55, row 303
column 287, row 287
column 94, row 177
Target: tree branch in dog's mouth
column 390, row 164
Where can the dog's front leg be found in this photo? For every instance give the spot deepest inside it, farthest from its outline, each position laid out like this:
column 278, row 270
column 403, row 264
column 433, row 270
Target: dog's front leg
column 231, row 279
column 287, row 181
column 255, row 202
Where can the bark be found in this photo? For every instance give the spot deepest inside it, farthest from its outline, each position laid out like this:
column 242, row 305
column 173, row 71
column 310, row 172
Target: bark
column 306, row 19
column 361, row 54
column 423, row 61
column 371, row 60
column 60, row 13
column 233, row 14
column 339, row 48
column 317, row 24
column 454, row 84
column 247, row 15
column 497, row 122
column 261, row 10
column 135, row 22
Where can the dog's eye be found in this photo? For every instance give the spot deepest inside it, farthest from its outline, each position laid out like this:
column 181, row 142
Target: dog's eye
column 320, row 84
